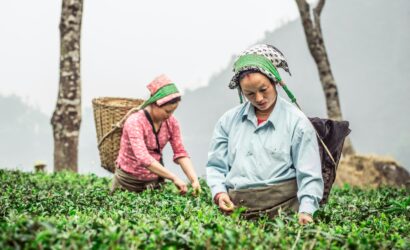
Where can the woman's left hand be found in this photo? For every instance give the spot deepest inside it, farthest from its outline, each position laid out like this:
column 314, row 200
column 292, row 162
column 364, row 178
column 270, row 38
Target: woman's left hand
column 196, row 187
column 305, row 218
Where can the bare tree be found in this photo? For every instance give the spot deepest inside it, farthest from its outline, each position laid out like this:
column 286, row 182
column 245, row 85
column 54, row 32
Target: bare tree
column 66, row 118
column 314, row 37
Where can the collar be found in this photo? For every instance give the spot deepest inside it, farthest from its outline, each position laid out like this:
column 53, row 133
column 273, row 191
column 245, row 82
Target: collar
column 249, row 112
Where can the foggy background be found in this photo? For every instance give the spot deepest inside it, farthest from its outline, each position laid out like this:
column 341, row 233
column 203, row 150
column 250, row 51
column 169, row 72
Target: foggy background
column 126, row 44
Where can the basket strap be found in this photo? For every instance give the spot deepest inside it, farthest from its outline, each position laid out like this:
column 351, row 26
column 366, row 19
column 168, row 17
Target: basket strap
column 326, row 149
column 158, row 150
column 119, row 124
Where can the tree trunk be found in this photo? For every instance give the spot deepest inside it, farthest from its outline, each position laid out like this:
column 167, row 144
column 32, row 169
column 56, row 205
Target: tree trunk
column 66, row 118
column 314, row 37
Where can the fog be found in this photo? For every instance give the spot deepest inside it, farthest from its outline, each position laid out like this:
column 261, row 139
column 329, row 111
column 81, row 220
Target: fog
column 126, row 45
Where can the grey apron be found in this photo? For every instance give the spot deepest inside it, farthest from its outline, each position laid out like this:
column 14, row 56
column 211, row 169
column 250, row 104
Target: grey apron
column 124, row 180
column 266, row 200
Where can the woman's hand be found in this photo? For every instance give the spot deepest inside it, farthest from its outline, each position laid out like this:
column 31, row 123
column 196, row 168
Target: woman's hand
column 196, row 187
column 189, row 171
column 305, row 218
column 225, row 203
column 180, row 184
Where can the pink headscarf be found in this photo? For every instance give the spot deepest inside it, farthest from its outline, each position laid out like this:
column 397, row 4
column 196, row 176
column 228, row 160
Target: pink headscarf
column 159, row 82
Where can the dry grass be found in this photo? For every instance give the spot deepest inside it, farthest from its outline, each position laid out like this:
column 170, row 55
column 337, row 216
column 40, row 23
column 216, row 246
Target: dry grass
column 371, row 171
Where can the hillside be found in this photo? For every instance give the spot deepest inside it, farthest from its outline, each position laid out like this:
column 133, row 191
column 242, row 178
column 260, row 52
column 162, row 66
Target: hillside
column 70, row 211
column 25, row 134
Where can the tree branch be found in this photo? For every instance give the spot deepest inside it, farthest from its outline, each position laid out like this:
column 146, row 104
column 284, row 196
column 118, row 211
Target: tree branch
column 319, row 7
column 317, row 11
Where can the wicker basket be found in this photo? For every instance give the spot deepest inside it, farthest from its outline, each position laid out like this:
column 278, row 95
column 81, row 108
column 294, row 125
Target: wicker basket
column 108, row 111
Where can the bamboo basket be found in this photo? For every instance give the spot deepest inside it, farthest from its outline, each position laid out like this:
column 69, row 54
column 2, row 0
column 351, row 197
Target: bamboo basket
column 108, row 114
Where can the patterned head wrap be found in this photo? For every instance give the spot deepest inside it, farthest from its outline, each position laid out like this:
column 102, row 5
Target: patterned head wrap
column 162, row 90
column 264, row 58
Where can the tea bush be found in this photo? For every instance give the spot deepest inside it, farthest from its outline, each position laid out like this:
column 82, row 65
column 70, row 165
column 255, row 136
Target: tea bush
column 71, row 211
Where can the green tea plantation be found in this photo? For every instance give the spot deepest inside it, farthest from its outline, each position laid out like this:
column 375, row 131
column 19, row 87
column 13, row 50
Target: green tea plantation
column 71, row 211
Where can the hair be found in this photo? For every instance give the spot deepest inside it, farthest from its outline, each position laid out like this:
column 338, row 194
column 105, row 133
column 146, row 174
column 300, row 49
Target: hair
column 172, row 101
column 247, row 72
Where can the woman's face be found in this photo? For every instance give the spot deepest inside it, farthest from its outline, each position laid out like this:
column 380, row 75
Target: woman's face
column 164, row 112
column 259, row 90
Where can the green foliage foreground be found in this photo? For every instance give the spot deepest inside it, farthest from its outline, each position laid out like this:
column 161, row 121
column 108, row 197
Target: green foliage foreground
column 66, row 210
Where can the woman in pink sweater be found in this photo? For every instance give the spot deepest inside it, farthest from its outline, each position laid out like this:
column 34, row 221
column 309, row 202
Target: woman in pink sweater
column 145, row 134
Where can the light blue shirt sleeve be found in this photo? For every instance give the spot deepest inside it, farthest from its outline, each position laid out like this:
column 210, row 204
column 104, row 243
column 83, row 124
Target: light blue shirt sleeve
column 217, row 166
column 306, row 160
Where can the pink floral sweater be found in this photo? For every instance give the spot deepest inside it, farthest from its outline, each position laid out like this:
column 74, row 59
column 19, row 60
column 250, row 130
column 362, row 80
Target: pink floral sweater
column 138, row 145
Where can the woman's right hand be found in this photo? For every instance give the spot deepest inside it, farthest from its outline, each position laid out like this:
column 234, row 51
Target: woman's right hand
column 225, row 203
column 180, row 184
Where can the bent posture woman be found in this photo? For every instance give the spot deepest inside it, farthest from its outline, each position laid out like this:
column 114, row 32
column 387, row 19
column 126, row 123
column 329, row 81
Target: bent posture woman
column 145, row 134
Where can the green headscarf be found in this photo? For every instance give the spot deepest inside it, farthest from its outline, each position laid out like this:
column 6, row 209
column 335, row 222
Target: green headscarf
column 254, row 60
column 164, row 91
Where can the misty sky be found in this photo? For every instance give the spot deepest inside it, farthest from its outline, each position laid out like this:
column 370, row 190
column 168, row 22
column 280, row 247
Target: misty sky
column 127, row 43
